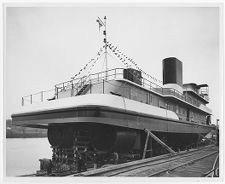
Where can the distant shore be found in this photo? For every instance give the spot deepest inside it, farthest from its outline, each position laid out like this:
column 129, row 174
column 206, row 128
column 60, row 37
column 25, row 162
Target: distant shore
column 13, row 131
column 14, row 135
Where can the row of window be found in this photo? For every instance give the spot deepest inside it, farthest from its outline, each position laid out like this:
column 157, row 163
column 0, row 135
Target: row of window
column 193, row 100
column 145, row 97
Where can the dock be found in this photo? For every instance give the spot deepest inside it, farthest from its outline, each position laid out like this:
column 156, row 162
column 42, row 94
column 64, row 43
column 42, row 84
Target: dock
column 202, row 162
column 196, row 162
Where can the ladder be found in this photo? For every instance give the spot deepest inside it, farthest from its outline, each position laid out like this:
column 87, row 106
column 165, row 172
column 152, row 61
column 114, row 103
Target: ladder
column 83, row 88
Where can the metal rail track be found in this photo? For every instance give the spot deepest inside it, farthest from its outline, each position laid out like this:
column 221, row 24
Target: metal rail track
column 214, row 172
column 183, row 162
column 153, row 166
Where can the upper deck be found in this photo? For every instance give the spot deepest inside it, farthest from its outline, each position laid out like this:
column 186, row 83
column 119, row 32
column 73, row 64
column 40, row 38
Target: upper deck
column 200, row 91
column 85, row 85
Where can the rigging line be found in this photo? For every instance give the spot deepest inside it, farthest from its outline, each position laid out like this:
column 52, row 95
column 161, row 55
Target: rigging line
column 125, row 59
column 87, row 64
column 118, row 59
column 114, row 58
column 93, row 61
column 133, row 62
column 88, row 74
column 136, row 77
column 127, row 66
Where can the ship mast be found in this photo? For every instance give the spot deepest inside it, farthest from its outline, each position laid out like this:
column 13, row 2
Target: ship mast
column 101, row 23
column 105, row 41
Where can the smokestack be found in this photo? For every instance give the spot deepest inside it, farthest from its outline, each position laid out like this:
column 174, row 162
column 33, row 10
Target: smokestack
column 172, row 74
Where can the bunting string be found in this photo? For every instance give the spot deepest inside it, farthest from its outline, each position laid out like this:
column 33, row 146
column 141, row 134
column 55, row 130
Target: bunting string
column 93, row 64
column 89, row 65
column 128, row 62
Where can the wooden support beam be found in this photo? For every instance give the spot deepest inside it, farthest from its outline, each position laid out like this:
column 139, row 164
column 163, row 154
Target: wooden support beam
column 146, row 145
column 160, row 142
column 150, row 147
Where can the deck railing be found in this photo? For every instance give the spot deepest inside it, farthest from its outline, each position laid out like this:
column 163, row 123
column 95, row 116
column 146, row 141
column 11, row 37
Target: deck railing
column 203, row 93
column 38, row 97
column 76, row 84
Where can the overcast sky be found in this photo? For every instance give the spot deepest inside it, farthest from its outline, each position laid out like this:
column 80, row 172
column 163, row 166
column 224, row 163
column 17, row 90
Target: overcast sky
column 48, row 45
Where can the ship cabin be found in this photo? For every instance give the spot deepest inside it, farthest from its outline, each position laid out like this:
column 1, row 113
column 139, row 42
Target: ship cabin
column 188, row 101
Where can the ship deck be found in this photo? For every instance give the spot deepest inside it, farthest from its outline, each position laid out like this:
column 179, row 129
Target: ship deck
column 111, row 110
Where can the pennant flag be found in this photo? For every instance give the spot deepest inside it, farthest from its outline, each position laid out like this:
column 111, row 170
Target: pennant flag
column 100, row 23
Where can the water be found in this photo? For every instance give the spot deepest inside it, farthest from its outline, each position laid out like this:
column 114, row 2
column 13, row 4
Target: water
column 22, row 155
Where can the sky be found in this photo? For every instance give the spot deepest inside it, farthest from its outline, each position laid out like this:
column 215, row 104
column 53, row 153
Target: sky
column 48, row 45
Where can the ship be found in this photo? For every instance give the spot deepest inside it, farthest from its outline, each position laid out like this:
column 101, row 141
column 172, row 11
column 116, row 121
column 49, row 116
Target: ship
column 118, row 115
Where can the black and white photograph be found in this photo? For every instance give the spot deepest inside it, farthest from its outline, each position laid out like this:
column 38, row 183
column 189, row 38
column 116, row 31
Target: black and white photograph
column 123, row 91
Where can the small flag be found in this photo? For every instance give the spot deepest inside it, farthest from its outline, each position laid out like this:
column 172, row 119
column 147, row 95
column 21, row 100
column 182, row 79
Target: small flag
column 100, row 23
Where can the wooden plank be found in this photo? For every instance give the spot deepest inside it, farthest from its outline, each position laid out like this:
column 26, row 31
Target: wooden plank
column 160, row 142
column 123, row 165
column 146, row 145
